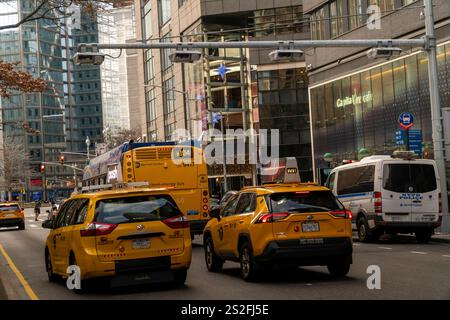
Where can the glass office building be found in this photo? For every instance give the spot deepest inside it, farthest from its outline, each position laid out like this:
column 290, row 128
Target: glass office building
column 360, row 110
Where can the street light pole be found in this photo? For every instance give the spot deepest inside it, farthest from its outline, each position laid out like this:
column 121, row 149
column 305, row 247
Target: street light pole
column 88, row 143
column 435, row 103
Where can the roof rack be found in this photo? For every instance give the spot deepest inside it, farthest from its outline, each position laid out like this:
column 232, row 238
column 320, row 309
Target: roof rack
column 121, row 185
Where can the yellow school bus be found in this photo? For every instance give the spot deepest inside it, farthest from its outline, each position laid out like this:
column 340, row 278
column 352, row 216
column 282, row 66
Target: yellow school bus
column 178, row 167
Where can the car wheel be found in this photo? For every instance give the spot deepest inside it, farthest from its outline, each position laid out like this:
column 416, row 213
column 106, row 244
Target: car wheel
column 180, row 276
column 22, row 226
column 213, row 262
column 249, row 268
column 83, row 283
column 339, row 270
column 49, row 267
column 423, row 236
column 364, row 234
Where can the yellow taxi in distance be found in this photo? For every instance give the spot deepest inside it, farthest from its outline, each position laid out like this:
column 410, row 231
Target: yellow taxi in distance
column 280, row 225
column 133, row 235
column 11, row 215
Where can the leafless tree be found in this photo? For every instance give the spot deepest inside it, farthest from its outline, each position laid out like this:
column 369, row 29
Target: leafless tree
column 114, row 138
column 15, row 168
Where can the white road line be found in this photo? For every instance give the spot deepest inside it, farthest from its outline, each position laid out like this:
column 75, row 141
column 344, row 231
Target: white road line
column 418, row 252
column 446, row 256
column 385, row 248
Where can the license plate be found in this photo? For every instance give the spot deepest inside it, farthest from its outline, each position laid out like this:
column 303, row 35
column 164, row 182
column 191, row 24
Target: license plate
column 310, row 226
column 141, row 244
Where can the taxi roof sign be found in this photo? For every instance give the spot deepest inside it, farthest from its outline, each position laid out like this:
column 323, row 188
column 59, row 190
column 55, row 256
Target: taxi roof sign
column 285, row 171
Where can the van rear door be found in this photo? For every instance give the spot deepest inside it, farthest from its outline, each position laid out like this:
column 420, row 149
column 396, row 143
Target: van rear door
column 425, row 199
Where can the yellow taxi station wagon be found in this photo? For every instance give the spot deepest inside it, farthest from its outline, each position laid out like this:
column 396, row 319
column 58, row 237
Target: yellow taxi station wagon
column 133, row 236
column 280, row 225
column 11, row 215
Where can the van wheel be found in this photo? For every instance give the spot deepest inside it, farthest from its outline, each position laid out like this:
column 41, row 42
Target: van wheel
column 364, row 234
column 339, row 270
column 423, row 236
column 213, row 262
column 249, row 269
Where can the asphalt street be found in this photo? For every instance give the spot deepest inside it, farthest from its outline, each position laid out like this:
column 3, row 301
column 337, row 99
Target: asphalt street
column 408, row 271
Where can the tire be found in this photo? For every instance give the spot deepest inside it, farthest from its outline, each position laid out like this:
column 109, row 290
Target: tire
column 22, row 226
column 180, row 276
column 213, row 262
column 249, row 268
column 52, row 277
column 364, row 234
column 83, row 283
column 423, row 236
column 338, row 270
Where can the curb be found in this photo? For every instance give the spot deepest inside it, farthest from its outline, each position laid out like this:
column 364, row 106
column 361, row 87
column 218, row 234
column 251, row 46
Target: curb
column 433, row 238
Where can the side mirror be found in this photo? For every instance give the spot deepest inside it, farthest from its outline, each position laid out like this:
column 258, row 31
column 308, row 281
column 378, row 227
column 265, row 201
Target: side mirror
column 215, row 213
column 48, row 224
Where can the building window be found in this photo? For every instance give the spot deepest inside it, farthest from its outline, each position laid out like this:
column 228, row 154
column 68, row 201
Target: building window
column 169, row 96
column 164, row 11
column 318, row 24
column 384, row 5
column 165, row 54
column 181, row 2
column 406, row 2
column 355, row 13
column 279, row 21
column 169, row 130
column 336, row 19
column 147, row 20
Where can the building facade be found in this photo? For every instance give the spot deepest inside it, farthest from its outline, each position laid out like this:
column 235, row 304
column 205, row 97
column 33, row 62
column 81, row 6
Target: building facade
column 227, row 88
column 63, row 115
column 355, row 101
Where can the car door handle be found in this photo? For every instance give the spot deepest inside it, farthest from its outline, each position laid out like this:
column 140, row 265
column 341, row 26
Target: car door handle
column 226, row 225
column 241, row 221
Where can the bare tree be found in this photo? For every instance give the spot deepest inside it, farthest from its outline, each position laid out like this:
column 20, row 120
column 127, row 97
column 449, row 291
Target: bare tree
column 13, row 79
column 114, row 138
column 15, row 168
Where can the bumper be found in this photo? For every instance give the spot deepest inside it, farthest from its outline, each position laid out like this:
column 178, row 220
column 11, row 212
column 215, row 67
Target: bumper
column 13, row 222
column 405, row 226
column 197, row 226
column 295, row 252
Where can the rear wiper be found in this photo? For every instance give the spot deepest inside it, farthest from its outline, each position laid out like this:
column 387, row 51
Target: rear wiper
column 309, row 209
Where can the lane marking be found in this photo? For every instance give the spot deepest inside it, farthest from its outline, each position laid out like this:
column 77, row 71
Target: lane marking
column 19, row 276
column 418, row 252
column 385, row 248
column 446, row 256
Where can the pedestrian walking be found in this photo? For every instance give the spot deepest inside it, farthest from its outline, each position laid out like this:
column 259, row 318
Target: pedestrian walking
column 37, row 209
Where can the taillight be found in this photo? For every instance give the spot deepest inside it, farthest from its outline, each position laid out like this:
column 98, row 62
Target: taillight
column 97, row 229
column 377, row 203
column 272, row 217
column 440, row 202
column 177, row 222
column 347, row 214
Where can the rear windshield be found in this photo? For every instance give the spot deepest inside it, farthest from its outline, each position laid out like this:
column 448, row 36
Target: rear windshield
column 9, row 208
column 136, row 209
column 407, row 178
column 313, row 201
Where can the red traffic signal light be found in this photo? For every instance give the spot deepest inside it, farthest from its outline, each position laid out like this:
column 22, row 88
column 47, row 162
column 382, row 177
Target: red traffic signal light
column 42, row 167
column 62, row 158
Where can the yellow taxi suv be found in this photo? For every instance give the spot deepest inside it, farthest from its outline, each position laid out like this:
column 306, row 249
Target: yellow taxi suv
column 280, row 225
column 132, row 236
column 11, row 215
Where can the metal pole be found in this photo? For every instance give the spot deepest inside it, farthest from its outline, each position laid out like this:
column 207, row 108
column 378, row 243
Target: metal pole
column 225, row 183
column 259, row 44
column 435, row 104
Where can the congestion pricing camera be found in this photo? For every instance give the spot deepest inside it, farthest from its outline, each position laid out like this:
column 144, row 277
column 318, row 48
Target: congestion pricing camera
column 185, row 56
column 283, row 55
column 88, row 58
column 383, row 52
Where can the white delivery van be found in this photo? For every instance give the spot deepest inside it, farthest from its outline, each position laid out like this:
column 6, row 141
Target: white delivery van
column 390, row 194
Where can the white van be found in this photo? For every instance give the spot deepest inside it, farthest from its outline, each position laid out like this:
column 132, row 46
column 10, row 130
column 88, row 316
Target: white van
column 390, row 194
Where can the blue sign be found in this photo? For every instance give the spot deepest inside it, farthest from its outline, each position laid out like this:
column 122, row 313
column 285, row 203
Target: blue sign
column 406, row 120
column 415, row 140
column 222, row 70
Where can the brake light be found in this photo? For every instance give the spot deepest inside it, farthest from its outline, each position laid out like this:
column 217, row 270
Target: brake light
column 347, row 214
column 377, row 203
column 440, row 202
column 272, row 217
column 177, row 222
column 97, row 229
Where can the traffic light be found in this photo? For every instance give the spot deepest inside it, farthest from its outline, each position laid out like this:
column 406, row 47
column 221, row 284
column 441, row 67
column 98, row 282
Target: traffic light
column 61, row 159
column 42, row 168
